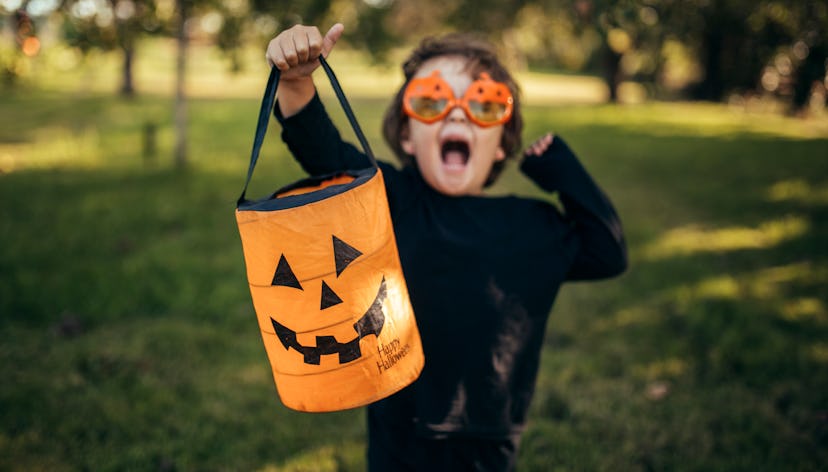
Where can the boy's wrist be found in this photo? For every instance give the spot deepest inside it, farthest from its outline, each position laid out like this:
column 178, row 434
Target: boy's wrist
column 301, row 81
column 294, row 93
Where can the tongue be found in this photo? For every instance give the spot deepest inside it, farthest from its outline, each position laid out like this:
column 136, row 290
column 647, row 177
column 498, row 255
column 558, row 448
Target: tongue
column 455, row 159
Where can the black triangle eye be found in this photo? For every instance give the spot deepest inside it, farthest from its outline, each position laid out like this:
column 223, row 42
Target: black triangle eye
column 329, row 298
column 284, row 275
column 344, row 254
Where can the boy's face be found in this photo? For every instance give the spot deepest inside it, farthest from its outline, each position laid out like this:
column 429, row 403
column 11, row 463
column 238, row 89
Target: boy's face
column 454, row 155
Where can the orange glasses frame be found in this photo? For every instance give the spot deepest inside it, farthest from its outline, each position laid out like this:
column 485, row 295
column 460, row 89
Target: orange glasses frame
column 483, row 90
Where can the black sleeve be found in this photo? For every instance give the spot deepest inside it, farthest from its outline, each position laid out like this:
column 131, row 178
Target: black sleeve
column 601, row 251
column 315, row 142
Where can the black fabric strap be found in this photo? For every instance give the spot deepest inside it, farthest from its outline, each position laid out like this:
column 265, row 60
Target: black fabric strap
column 267, row 108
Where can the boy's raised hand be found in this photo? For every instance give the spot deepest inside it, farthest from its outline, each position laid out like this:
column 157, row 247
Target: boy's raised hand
column 540, row 146
column 295, row 51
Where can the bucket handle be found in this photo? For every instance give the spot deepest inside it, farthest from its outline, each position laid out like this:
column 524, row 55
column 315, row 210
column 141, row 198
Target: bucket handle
column 267, row 108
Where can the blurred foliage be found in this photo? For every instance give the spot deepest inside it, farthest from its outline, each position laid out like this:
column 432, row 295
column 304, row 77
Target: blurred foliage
column 700, row 49
column 108, row 25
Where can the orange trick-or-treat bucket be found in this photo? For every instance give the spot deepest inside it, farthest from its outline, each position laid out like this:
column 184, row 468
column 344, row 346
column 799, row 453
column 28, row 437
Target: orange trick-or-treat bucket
column 327, row 285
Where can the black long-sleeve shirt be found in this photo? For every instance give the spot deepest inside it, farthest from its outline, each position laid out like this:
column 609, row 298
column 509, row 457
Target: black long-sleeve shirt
column 482, row 273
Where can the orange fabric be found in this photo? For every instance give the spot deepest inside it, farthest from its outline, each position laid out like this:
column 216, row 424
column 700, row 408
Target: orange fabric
column 315, row 272
column 339, row 179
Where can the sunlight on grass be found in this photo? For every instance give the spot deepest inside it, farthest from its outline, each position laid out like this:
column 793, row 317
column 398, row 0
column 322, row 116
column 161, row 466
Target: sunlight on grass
column 807, row 308
column 664, row 368
column 766, row 284
column 346, row 456
column 549, row 89
column 53, row 147
column 769, row 282
column 253, row 374
column 698, row 119
column 693, row 239
column 723, row 287
column 8, row 162
column 819, row 352
column 322, row 459
column 627, row 317
column 799, row 191
column 771, row 286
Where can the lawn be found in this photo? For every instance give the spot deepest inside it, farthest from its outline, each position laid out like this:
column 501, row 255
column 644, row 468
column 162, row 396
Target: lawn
column 128, row 339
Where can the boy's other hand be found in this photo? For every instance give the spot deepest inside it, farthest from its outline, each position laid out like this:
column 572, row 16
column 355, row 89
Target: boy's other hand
column 540, row 146
column 296, row 51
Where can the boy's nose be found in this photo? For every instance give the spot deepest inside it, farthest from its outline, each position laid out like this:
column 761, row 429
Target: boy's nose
column 457, row 114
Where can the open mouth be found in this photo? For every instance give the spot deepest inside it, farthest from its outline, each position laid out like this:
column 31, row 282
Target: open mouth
column 455, row 153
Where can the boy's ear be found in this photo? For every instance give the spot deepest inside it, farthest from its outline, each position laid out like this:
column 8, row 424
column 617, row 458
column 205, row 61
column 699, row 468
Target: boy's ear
column 500, row 154
column 405, row 140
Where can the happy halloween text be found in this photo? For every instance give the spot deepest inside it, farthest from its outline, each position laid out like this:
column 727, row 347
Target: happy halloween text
column 390, row 354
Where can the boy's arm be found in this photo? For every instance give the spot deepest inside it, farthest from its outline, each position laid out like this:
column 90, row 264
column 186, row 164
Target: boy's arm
column 601, row 250
column 316, row 143
column 306, row 127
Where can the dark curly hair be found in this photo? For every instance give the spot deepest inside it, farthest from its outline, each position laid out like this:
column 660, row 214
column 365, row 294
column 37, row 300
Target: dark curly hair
column 480, row 57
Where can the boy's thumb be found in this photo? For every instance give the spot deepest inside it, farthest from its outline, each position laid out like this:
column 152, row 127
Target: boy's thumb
column 331, row 37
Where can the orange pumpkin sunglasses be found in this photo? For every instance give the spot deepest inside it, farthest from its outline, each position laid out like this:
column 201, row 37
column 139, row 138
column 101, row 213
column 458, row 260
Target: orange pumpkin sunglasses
column 486, row 102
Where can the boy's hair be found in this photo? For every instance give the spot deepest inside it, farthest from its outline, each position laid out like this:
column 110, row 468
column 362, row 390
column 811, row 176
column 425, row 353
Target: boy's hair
column 480, row 57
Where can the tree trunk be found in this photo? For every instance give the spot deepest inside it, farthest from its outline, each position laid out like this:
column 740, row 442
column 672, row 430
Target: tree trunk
column 127, row 84
column 716, row 22
column 612, row 71
column 180, row 97
column 712, row 86
column 811, row 71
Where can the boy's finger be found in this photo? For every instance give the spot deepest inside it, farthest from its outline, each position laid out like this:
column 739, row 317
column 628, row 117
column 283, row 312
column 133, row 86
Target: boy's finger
column 273, row 53
column 289, row 52
column 277, row 58
column 311, row 44
column 331, row 37
column 314, row 44
column 301, row 46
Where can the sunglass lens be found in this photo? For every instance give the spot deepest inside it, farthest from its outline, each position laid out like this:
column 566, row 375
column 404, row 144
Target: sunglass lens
column 488, row 111
column 426, row 107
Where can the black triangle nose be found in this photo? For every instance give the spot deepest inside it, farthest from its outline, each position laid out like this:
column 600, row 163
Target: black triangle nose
column 329, row 297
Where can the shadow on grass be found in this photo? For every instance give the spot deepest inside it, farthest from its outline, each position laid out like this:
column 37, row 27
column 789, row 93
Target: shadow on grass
column 710, row 353
column 128, row 337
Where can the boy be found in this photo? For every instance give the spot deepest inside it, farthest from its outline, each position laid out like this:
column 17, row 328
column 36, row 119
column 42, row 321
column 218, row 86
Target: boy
column 482, row 272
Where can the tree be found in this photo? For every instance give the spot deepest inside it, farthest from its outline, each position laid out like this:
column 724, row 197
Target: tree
column 108, row 25
column 774, row 47
column 183, row 9
column 26, row 44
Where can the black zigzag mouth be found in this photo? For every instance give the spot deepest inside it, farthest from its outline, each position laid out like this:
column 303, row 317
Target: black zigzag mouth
column 371, row 322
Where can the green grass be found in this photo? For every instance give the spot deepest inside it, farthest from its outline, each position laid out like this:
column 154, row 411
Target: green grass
column 128, row 340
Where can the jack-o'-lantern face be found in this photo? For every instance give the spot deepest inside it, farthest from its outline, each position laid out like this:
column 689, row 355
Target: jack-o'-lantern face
column 369, row 323
column 329, row 292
